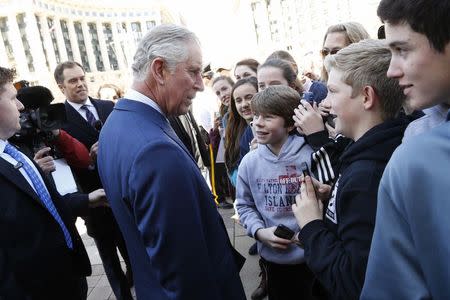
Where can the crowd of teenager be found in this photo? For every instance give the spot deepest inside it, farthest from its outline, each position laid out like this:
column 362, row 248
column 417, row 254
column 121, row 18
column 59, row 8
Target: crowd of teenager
column 345, row 125
column 339, row 177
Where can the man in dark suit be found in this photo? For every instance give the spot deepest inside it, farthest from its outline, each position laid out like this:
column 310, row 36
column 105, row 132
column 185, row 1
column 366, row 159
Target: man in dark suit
column 85, row 117
column 179, row 247
column 41, row 253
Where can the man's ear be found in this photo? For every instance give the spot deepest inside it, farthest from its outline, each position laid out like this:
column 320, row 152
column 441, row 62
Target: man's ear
column 371, row 98
column 158, row 69
column 61, row 87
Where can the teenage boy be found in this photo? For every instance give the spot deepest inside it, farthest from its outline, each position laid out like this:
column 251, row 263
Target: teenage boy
column 410, row 249
column 366, row 104
column 268, row 180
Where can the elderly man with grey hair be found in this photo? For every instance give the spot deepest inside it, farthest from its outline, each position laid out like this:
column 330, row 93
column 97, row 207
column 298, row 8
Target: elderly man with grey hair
column 177, row 242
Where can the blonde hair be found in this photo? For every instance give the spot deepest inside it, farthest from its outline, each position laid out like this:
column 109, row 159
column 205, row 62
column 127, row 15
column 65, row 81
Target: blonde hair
column 365, row 64
column 353, row 31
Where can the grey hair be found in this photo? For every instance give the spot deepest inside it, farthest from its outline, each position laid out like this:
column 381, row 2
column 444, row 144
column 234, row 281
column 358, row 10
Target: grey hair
column 167, row 41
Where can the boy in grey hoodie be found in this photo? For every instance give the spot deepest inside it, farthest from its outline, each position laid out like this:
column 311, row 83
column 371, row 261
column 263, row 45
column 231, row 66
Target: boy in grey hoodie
column 268, row 180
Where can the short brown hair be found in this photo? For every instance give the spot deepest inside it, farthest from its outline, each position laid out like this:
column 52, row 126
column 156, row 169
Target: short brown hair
column 278, row 100
column 59, row 70
column 6, row 76
column 365, row 64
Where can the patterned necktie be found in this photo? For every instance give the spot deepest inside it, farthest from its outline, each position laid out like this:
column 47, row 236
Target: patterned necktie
column 43, row 194
column 89, row 115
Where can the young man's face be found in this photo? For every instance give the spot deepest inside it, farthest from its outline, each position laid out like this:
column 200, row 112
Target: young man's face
column 9, row 111
column 74, row 86
column 348, row 110
column 270, row 130
column 423, row 72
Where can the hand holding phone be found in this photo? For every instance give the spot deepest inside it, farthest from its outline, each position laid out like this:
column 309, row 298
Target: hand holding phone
column 284, row 232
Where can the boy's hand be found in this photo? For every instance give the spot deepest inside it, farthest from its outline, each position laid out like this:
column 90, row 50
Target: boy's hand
column 324, row 108
column 322, row 190
column 267, row 236
column 307, row 118
column 307, row 208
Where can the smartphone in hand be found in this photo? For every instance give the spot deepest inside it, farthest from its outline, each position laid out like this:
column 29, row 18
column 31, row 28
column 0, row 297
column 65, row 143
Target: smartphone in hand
column 284, row 232
column 305, row 169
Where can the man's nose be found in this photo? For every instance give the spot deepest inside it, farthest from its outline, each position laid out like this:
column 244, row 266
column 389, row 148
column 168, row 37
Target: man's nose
column 199, row 85
column 394, row 70
column 19, row 105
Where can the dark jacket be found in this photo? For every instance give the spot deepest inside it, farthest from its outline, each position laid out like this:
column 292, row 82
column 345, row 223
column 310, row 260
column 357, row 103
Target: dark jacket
column 34, row 258
column 184, row 136
column 100, row 219
column 337, row 247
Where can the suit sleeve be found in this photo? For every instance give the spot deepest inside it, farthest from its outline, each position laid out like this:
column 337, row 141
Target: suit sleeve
column 339, row 261
column 165, row 198
column 78, row 203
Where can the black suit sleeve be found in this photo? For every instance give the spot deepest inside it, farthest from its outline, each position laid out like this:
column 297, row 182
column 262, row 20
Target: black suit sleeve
column 78, row 203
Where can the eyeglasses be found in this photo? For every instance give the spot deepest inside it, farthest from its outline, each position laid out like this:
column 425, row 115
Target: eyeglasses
column 324, row 52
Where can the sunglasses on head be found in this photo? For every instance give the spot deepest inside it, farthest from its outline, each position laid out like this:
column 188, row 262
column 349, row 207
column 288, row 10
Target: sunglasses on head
column 324, row 52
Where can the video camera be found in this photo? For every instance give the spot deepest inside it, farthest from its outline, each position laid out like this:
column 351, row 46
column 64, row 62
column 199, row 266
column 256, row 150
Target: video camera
column 38, row 118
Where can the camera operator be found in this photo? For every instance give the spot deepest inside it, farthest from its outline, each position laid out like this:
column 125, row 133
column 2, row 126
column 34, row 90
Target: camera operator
column 40, row 135
column 85, row 116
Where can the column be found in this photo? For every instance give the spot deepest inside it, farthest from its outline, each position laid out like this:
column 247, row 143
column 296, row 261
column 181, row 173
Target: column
column 4, row 61
column 103, row 47
column 89, row 50
column 143, row 26
column 74, row 41
column 130, row 44
column 60, row 39
column 34, row 39
column 17, row 46
column 48, row 43
column 118, row 47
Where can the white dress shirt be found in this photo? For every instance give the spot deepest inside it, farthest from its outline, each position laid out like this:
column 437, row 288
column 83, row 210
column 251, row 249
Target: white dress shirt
column 81, row 111
column 136, row 96
column 14, row 162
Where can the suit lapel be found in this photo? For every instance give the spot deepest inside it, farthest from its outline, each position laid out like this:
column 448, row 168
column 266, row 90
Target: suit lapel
column 78, row 121
column 100, row 111
column 16, row 178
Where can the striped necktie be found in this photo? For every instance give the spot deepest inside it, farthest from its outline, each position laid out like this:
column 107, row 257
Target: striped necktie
column 89, row 115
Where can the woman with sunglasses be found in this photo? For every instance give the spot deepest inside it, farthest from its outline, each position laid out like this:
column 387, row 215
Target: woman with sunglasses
column 340, row 36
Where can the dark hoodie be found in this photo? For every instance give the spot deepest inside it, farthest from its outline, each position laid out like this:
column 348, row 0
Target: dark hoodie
column 337, row 247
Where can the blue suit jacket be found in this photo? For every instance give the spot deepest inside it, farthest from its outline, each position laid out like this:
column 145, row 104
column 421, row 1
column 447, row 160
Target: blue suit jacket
column 176, row 240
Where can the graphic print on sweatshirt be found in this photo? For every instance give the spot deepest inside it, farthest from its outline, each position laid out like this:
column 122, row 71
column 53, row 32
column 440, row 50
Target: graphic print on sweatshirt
column 331, row 209
column 279, row 193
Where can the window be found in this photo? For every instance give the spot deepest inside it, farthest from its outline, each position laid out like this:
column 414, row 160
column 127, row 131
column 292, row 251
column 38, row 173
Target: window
column 96, row 47
column 107, row 32
column 65, row 34
column 82, row 46
column 20, row 18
